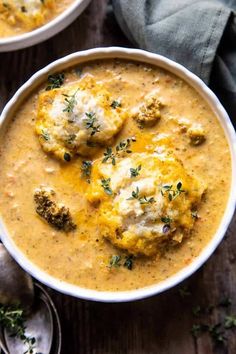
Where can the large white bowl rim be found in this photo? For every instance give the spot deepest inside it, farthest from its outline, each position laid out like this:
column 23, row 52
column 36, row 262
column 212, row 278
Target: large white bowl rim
column 46, row 31
column 209, row 97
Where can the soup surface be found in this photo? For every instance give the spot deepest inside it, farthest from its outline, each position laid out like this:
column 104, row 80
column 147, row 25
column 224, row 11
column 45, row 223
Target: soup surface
column 20, row 16
column 114, row 175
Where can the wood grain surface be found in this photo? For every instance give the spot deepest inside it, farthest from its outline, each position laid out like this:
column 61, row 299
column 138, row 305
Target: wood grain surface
column 158, row 325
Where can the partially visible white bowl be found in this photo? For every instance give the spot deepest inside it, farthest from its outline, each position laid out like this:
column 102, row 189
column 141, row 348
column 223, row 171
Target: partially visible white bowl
column 208, row 96
column 46, row 31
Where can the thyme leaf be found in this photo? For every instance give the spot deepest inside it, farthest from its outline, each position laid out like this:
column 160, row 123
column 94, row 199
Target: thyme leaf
column 171, row 192
column 90, row 123
column 166, row 219
column 115, row 261
column 45, row 135
column 194, row 214
column 142, row 199
column 105, row 183
column 123, row 145
column 109, row 155
column 216, row 333
column 86, row 168
column 70, row 102
column 230, row 321
column 134, row 172
column 115, row 104
column 12, row 318
column 128, row 263
column 55, row 81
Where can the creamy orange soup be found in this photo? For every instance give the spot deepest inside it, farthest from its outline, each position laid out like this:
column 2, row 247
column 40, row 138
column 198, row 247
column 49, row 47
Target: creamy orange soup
column 133, row 158
column 20, row 16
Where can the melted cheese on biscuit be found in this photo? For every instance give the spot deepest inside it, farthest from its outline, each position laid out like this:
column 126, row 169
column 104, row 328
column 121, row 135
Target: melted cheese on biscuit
column 145, row 210
column 27, row 14
column 75, row 118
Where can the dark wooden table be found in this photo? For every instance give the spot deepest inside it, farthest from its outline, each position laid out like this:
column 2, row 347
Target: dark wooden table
column 161, row 324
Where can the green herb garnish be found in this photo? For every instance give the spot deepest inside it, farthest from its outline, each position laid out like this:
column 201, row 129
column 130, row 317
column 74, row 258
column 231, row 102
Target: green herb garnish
column 122, row 146
column 55, row 81
column 134, row 172
column 45, row 134
column 172, row 193
column 230, row 321
column 166, row 219
column 196, row 330
column 141, row 199
column 115, row 261
column 90, row 123
column 109, row 155
column 12, row 318
column 70, row 102
column 115, row 104
column 105, row 183
column 86, row 168
column 128, row 263
column 216, row 333
column 194, row 214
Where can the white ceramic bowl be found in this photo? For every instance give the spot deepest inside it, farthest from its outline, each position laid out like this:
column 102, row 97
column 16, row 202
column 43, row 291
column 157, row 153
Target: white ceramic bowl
column 46, row 31
column 209, row 97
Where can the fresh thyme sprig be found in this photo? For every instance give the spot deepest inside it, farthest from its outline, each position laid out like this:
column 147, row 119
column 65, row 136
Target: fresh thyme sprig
column 12, row 318
column 55, row 81
column 105, row 183
column 70, row 102
column 172, row 193
column 217, row 331
column 45, row 135
column 166, row 219
column 90, row 123
column 230, row 321
column 128, row 263
column 115, row 104
column 123, row 146
column 142, row 199
column 86, row 169
column 115, row 262
column 194, row 214
column 134, row 172
column 109, row 155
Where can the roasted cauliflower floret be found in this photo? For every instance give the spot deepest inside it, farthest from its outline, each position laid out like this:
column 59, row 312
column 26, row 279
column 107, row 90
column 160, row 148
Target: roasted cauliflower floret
column 196, row 134
column 76, row 118
column 194, row 131
column 149, row 112
column 26, row 14
column 144, row 200
column 55, row 214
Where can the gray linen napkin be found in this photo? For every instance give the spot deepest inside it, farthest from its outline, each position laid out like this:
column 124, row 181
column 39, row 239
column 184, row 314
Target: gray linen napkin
column 199, row 34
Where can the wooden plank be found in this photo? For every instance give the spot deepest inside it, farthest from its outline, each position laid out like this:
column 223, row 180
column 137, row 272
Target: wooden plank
column 159, row 325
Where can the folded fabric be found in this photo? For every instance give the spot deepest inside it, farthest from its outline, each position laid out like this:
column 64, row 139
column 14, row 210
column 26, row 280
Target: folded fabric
column 201, row 35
